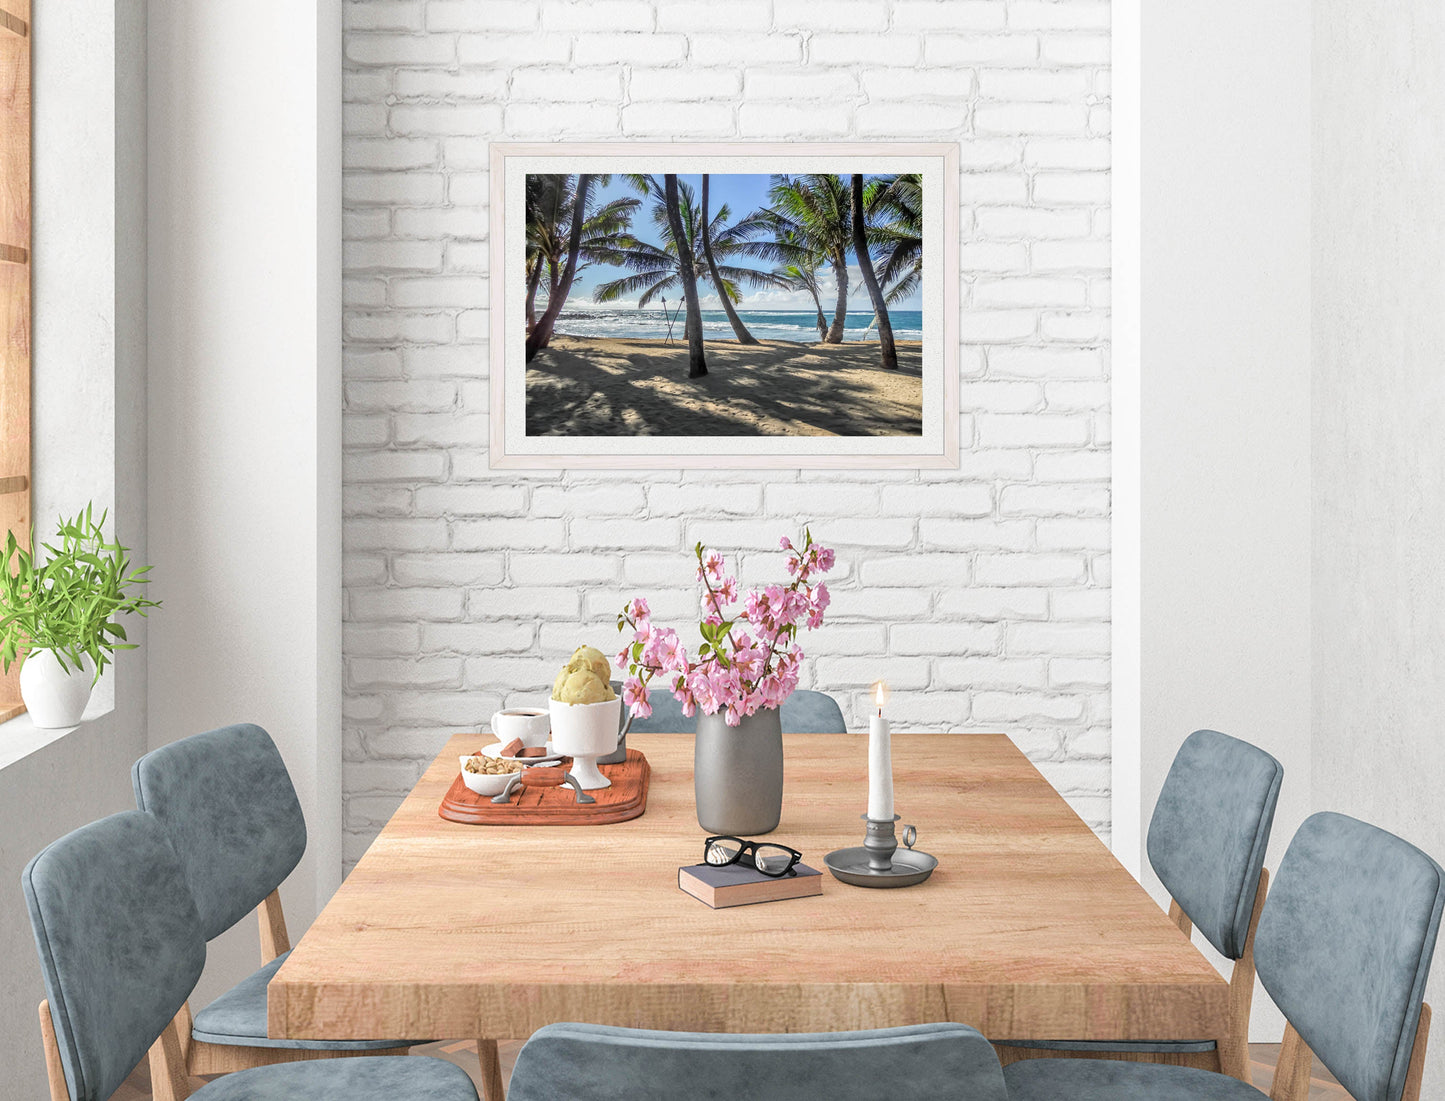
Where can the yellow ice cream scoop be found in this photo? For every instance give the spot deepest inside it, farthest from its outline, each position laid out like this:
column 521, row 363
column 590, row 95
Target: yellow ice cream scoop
column 589, row 657
column 583, row 686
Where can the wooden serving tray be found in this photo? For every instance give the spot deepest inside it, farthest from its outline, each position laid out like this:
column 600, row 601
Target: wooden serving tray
column 556, row 806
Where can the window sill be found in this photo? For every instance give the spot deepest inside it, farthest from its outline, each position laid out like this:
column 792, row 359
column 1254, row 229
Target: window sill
column 20, row 737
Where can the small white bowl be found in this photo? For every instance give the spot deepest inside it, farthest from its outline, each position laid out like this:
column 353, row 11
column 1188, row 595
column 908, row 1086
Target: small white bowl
column 481, row 782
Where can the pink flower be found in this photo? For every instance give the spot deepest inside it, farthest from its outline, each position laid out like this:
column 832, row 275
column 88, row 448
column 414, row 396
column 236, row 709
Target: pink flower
column 638, row 611
column 785, row 543
column 819, row 603
column 685, row 697
column 746, row 655
column 771, row 692
column 700, row 688
column 634, row 694
column 824, row 559
column 667, row 649
column 624, row 657
column 713, row 564
column 727, row 589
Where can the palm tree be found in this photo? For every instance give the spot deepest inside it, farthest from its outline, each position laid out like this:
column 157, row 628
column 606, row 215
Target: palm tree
column 739, row 329
column 813, row 211
column 541, row 333
column 865, row 266
column 696, row 358
column 803, row 276
column 549, row 215
column 655, row 269
column 896, row 227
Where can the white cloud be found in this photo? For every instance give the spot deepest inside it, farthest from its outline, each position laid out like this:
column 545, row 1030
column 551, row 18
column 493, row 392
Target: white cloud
column 767, row 298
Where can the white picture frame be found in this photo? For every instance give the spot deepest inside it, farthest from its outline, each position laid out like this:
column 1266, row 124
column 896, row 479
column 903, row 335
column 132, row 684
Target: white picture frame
column 510, row 447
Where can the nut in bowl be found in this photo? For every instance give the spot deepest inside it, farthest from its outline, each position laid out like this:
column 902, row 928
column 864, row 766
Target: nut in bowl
column 488, row 775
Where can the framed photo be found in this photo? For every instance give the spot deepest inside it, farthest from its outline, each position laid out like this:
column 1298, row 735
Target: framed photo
column 809, row 320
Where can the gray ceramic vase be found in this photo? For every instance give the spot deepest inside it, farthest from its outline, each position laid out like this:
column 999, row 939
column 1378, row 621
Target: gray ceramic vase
column 738, row 774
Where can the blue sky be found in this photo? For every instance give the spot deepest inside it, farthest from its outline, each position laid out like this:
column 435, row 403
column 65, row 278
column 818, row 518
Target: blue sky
column 742, row 193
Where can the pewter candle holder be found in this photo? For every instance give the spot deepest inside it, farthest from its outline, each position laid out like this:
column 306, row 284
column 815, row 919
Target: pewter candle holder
column 881, row 841
column 877, row 862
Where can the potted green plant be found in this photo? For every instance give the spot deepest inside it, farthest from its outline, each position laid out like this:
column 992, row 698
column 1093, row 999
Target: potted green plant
column 61, row 615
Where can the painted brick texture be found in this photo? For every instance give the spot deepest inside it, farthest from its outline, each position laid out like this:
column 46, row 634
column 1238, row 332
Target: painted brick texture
column 980, row 594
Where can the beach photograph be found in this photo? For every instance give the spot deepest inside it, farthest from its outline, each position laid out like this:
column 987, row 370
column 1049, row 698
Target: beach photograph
column 723, row 304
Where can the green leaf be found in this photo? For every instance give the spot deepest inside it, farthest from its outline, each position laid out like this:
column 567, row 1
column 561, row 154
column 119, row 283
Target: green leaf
column 69, row 601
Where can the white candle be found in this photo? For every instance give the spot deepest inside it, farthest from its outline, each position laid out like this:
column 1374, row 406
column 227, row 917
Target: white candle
column 880, row 762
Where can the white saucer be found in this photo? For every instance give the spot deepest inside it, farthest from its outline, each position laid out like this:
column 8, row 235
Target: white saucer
column 551, row 759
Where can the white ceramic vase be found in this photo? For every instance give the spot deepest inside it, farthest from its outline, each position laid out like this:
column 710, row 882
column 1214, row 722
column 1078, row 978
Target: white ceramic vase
column 55, row 697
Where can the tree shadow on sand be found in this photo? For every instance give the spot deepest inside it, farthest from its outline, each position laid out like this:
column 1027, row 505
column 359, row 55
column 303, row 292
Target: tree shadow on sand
column 780, row 389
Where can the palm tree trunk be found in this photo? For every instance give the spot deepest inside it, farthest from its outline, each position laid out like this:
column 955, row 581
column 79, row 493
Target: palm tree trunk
column 739, row 329
column 822, row 321
column 696, row 357
column 532, row 281
column 865, row 266
column 541, row 333
column 840, row 312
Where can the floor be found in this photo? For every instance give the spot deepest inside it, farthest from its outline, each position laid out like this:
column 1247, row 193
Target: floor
column 1323, row 1087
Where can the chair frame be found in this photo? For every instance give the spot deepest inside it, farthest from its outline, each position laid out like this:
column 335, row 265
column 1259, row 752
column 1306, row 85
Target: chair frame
column 1231, row 1053
column 176, row 1057
column 1296, row 1061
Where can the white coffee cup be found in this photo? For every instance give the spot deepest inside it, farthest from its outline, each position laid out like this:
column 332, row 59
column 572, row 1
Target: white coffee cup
column 530, row 724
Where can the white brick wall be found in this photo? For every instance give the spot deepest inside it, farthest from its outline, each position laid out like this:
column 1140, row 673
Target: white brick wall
column 981, row 594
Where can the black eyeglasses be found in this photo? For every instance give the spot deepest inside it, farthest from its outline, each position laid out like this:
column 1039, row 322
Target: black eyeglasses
column 772, row 860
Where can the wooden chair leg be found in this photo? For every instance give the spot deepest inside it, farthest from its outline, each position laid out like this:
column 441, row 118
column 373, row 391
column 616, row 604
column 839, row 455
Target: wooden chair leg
column 491, row 1071
column 1416, row 1072
column 275, row 941
column 1292, row 1073
column 54, row 1069
column 169, row 1080
column 1234, row 1052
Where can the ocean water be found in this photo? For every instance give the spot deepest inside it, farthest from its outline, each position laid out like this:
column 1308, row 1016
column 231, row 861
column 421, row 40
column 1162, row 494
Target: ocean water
column 799, row 326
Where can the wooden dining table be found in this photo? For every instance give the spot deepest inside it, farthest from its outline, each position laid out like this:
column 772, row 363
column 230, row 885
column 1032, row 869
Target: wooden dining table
column 1028, row 929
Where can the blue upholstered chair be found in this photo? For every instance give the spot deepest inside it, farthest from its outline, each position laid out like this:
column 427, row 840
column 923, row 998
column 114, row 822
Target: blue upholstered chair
column 227, row 803
column 121, row 947
column 1206, row 843
column 1344, row 948
column 940, row 1062
column 804, row 712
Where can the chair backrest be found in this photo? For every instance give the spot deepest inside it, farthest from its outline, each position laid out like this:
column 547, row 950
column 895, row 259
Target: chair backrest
column 1209, row 832
column 1344, row 948
column 937, row 1062
column 120, row 945
column 809, row 712
column 804, row 712
column 227, row 802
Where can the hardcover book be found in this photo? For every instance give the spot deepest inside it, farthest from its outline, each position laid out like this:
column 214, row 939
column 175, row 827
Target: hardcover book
column 735, row 885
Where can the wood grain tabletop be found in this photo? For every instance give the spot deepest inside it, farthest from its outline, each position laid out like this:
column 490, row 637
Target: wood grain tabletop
column 1028, row 929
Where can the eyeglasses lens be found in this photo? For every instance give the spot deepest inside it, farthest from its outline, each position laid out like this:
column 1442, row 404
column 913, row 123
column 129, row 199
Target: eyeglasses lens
column 722, row 852
column 771, row 858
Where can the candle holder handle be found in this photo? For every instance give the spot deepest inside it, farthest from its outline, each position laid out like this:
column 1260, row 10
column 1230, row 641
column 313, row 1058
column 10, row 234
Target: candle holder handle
column 881, row 842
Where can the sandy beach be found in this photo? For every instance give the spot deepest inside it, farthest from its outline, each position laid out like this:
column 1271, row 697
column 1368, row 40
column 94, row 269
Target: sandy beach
column 588, row 386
